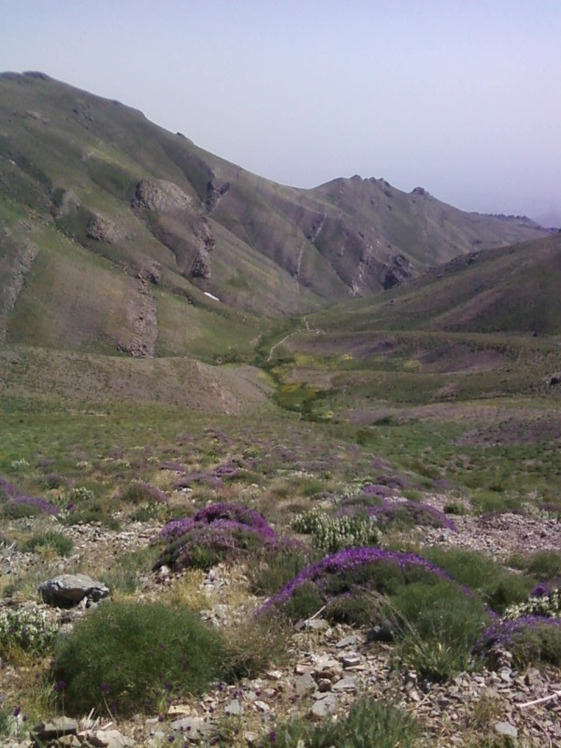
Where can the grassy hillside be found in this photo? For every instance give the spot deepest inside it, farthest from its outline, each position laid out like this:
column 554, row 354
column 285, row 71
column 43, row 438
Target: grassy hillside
column 112, row 230
column 514, row 289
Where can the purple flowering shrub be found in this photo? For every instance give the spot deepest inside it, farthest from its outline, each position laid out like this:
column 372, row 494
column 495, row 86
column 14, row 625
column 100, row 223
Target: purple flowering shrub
column 532, row 640
column 400, row 514
column 403, row 598
column 351, row 583
column 231, row 470
column 15, row 504
column 215, row 533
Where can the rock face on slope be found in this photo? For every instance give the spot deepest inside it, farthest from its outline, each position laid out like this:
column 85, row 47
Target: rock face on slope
column 175, row 220
column 16, row 260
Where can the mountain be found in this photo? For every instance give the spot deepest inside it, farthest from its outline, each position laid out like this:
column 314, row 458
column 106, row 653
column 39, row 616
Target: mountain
column 506, row 290
column 118, row 236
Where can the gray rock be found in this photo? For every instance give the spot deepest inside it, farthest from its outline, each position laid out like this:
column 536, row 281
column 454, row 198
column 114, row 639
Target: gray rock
column 304, row 684
column 109, row 739
column 350, row 660
column 234, row 708
column 56, row 728
column 317, row 624
column 193, row 727
column 325, row 706
column 348, row 641
column 345, row 684
column 505, row 729
column 67, row 590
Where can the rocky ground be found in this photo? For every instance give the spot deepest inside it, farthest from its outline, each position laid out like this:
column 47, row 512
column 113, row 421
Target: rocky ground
column 327, row 666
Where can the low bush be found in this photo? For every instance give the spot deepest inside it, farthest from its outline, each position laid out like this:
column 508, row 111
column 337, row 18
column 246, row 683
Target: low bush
column 50, row 540
column 5, row 720
column 216, row 533
column 532, row 640
column 400, row 515
column 437, row 627
column 543, row 565
column 277, row 565
column 127, row 657
column 128, row 575
column 17, row 505
column 369, row 723
column 498, row 587
column 331, row 534
column 252, row 646
column 139, row 492
column 25, row 629
column 338, row 581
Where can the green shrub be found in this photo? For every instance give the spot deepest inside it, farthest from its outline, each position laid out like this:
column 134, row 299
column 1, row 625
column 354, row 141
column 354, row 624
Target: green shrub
column 543, row 565
column 437, row 627
column 532, row 640
column 369, row 723
column 127, row 657
column 537, row 644
column 455, row 508
column 13, row 510
column 4, row 720
column 139, row 492
column 53, row 480
column 498, row 587
column 50, row 540
column 304, row 602
column 252, row 646
column 486, row 502
column 277, row 567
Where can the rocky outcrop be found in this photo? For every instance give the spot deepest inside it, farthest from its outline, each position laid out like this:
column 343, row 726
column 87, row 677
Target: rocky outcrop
column 67, row 590
column 173, row 218
column 399, row 270
column 143, row 320
column 63, row 202
column 161, row 196
column 101, row 229
column 14, row 267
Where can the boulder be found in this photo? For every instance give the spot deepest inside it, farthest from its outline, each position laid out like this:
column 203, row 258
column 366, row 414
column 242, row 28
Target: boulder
column 57, row 728
column 67, row 590
column 109, row 739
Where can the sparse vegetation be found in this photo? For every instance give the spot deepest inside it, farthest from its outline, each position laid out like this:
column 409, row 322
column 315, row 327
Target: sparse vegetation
column 369, row 722
column 49, row 541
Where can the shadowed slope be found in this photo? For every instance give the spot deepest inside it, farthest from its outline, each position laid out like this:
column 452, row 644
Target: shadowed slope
column 515, row 289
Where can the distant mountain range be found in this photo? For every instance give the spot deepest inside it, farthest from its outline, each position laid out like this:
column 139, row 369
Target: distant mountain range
column 117, row 236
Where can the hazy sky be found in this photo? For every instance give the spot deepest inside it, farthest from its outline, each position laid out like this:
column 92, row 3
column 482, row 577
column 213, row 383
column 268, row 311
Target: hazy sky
column 460, row 97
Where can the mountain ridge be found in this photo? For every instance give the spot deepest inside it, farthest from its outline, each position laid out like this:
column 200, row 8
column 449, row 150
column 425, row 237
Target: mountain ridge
column 139, row 238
